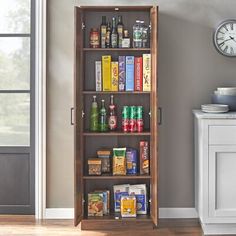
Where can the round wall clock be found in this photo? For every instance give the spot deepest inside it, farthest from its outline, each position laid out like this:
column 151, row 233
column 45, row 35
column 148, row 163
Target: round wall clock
column 225, row 38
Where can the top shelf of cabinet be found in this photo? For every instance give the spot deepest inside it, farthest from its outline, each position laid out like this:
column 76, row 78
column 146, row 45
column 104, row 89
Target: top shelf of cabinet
column 116, row 49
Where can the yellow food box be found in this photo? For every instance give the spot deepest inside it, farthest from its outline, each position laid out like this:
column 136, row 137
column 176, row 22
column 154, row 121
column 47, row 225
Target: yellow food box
column 114, row 76
column 128, row 206
column 146, row 72
column 106, row 72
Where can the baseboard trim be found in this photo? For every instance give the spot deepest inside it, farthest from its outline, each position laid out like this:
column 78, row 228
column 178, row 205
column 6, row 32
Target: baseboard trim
column 178, row 213
column 59, row 213
column 219, row 229
column 68, row 213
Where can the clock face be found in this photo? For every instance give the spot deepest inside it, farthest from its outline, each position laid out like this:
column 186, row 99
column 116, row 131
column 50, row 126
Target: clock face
column 225, row 38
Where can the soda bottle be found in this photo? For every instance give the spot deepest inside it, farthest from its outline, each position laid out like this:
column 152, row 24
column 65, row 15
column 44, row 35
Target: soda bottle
column 103, row 126
column 94, row 116
column 112, row 121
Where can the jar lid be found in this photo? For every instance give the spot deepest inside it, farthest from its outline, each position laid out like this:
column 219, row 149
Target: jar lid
column 94, row 29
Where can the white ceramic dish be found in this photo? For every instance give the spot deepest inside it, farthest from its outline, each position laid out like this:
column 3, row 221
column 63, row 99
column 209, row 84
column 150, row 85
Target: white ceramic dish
column 225, row 92
column 215, row 108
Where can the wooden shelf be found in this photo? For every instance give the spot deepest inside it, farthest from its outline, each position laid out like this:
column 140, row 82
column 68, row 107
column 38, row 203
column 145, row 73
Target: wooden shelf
column 115, row 49
column 116, row 92
column 118, row 133
column 110, row 177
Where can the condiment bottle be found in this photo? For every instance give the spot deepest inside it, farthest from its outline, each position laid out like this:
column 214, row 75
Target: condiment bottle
column 103, row 126
column 120, row 30
column 94, row 115
column 103, row 32
column 114, row 34
column 112, row 121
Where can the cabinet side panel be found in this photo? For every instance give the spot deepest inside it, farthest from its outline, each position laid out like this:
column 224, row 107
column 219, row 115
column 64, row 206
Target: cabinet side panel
column 78, row 124
column 154, row 123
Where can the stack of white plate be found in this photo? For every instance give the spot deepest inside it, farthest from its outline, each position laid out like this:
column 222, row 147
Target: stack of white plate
column 230, row 91
column 215, row 108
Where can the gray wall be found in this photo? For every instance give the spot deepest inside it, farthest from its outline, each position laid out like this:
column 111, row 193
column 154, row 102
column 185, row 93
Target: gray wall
column 189, row 70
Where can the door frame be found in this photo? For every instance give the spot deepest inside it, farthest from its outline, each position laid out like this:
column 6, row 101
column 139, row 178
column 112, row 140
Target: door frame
column 40, row 108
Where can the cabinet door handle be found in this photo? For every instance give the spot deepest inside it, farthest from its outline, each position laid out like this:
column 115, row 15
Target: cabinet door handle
column 72, row 116
column 160, row 116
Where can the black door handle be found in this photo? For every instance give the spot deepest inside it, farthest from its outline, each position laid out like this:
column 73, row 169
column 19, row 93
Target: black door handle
column 160, row 116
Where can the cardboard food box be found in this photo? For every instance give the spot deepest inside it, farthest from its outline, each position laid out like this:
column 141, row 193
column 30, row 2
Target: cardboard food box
column 106, row 72
column 146, row 72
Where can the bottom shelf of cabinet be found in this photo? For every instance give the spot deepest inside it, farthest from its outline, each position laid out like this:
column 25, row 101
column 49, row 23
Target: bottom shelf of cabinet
column 111, row 222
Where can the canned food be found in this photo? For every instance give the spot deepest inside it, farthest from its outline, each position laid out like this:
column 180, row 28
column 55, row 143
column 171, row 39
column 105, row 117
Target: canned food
column 140, row 119
column 125, row 119
column 132, row 120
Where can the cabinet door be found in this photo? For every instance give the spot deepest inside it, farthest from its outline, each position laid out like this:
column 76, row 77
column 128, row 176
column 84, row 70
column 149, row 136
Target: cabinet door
column 78, row 124
column 154, row 123
column 222, row 183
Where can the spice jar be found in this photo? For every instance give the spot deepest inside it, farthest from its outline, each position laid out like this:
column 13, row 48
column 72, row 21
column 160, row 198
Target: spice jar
column 94, row 38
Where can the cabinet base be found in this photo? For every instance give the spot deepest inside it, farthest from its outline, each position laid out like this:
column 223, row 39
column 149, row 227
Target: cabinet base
column 110, row 223
column 219, row 229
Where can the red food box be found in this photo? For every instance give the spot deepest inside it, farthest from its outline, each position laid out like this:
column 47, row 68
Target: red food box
column 138, row 74
column 144, row 158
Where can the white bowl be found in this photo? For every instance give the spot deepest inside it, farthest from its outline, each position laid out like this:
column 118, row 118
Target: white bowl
column 227, row 90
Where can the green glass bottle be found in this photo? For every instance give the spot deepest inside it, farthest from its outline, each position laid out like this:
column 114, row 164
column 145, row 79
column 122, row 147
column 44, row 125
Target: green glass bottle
column 103, row 125
column 94, row 116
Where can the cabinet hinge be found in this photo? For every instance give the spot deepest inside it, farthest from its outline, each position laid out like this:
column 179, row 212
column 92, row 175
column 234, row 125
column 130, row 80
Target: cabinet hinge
column 82, row 114
column 83, row 26
column 150, row 113
column 150, row 200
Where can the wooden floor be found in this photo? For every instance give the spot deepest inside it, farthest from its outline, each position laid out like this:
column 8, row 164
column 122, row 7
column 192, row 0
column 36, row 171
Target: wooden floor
column 28, row 226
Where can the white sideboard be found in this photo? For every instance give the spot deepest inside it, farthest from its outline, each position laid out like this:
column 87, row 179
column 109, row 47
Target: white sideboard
column 215, row 171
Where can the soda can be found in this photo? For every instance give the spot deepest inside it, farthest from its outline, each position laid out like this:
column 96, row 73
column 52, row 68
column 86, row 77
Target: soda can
column 133, row 120
column 125, row 119
column 140, row 119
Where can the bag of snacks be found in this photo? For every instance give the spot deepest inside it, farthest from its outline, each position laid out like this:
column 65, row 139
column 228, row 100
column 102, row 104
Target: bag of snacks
column 119, row 191
column 128, row 206
column 144, row 158
column 94, row 166
column 131, row 161
column 119, row 161
column 140, row 192
column 95, row 204
column 106, row 200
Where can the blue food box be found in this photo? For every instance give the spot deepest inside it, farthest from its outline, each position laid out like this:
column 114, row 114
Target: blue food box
column 131, row 161
column 121, row 73
column 129, row 85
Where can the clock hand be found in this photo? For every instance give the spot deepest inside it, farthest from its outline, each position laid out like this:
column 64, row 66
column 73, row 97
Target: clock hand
column 232, row 38
column 224, row 41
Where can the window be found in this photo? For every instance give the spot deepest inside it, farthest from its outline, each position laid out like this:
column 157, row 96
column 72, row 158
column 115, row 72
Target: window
column 16, row 72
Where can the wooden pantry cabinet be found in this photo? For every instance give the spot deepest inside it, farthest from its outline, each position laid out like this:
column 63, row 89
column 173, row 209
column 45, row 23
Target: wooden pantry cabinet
column 87, row 143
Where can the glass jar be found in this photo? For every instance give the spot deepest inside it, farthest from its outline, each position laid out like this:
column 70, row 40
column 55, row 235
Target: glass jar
column 94, row 38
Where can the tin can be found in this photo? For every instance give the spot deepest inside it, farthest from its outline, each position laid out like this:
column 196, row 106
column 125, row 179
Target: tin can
column 140, row 119
column 125, row 119
column 132, row 120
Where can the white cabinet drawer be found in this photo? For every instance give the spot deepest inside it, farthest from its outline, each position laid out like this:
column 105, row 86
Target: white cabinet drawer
column 222, row 134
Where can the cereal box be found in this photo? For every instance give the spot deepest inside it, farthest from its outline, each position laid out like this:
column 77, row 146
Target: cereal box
column 106, row 72
column 121, row 73
column 114, row 76
column 129, row 82
column 146, row 72
column 98, row 75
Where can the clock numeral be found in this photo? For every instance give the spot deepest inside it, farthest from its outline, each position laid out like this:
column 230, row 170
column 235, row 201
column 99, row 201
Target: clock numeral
column 221, row 32
column 231, row 51
column 221, row 44
column 225, row 28
column 232, row 26
column 225, row 49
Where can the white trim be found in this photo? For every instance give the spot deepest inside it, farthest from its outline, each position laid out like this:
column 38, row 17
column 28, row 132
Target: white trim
column 219, row 229
column 59, row 213
column 40, row 108
column 178, row 213
column 68, row 213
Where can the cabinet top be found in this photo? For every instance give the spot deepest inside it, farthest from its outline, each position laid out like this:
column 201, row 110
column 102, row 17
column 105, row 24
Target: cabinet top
column 202, row 115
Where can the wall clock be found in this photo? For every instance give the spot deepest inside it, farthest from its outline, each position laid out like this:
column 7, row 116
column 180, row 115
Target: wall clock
column 225, row 38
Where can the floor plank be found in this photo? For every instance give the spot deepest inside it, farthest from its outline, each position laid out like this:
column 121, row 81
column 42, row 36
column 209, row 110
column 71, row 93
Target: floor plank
column 28, row 226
